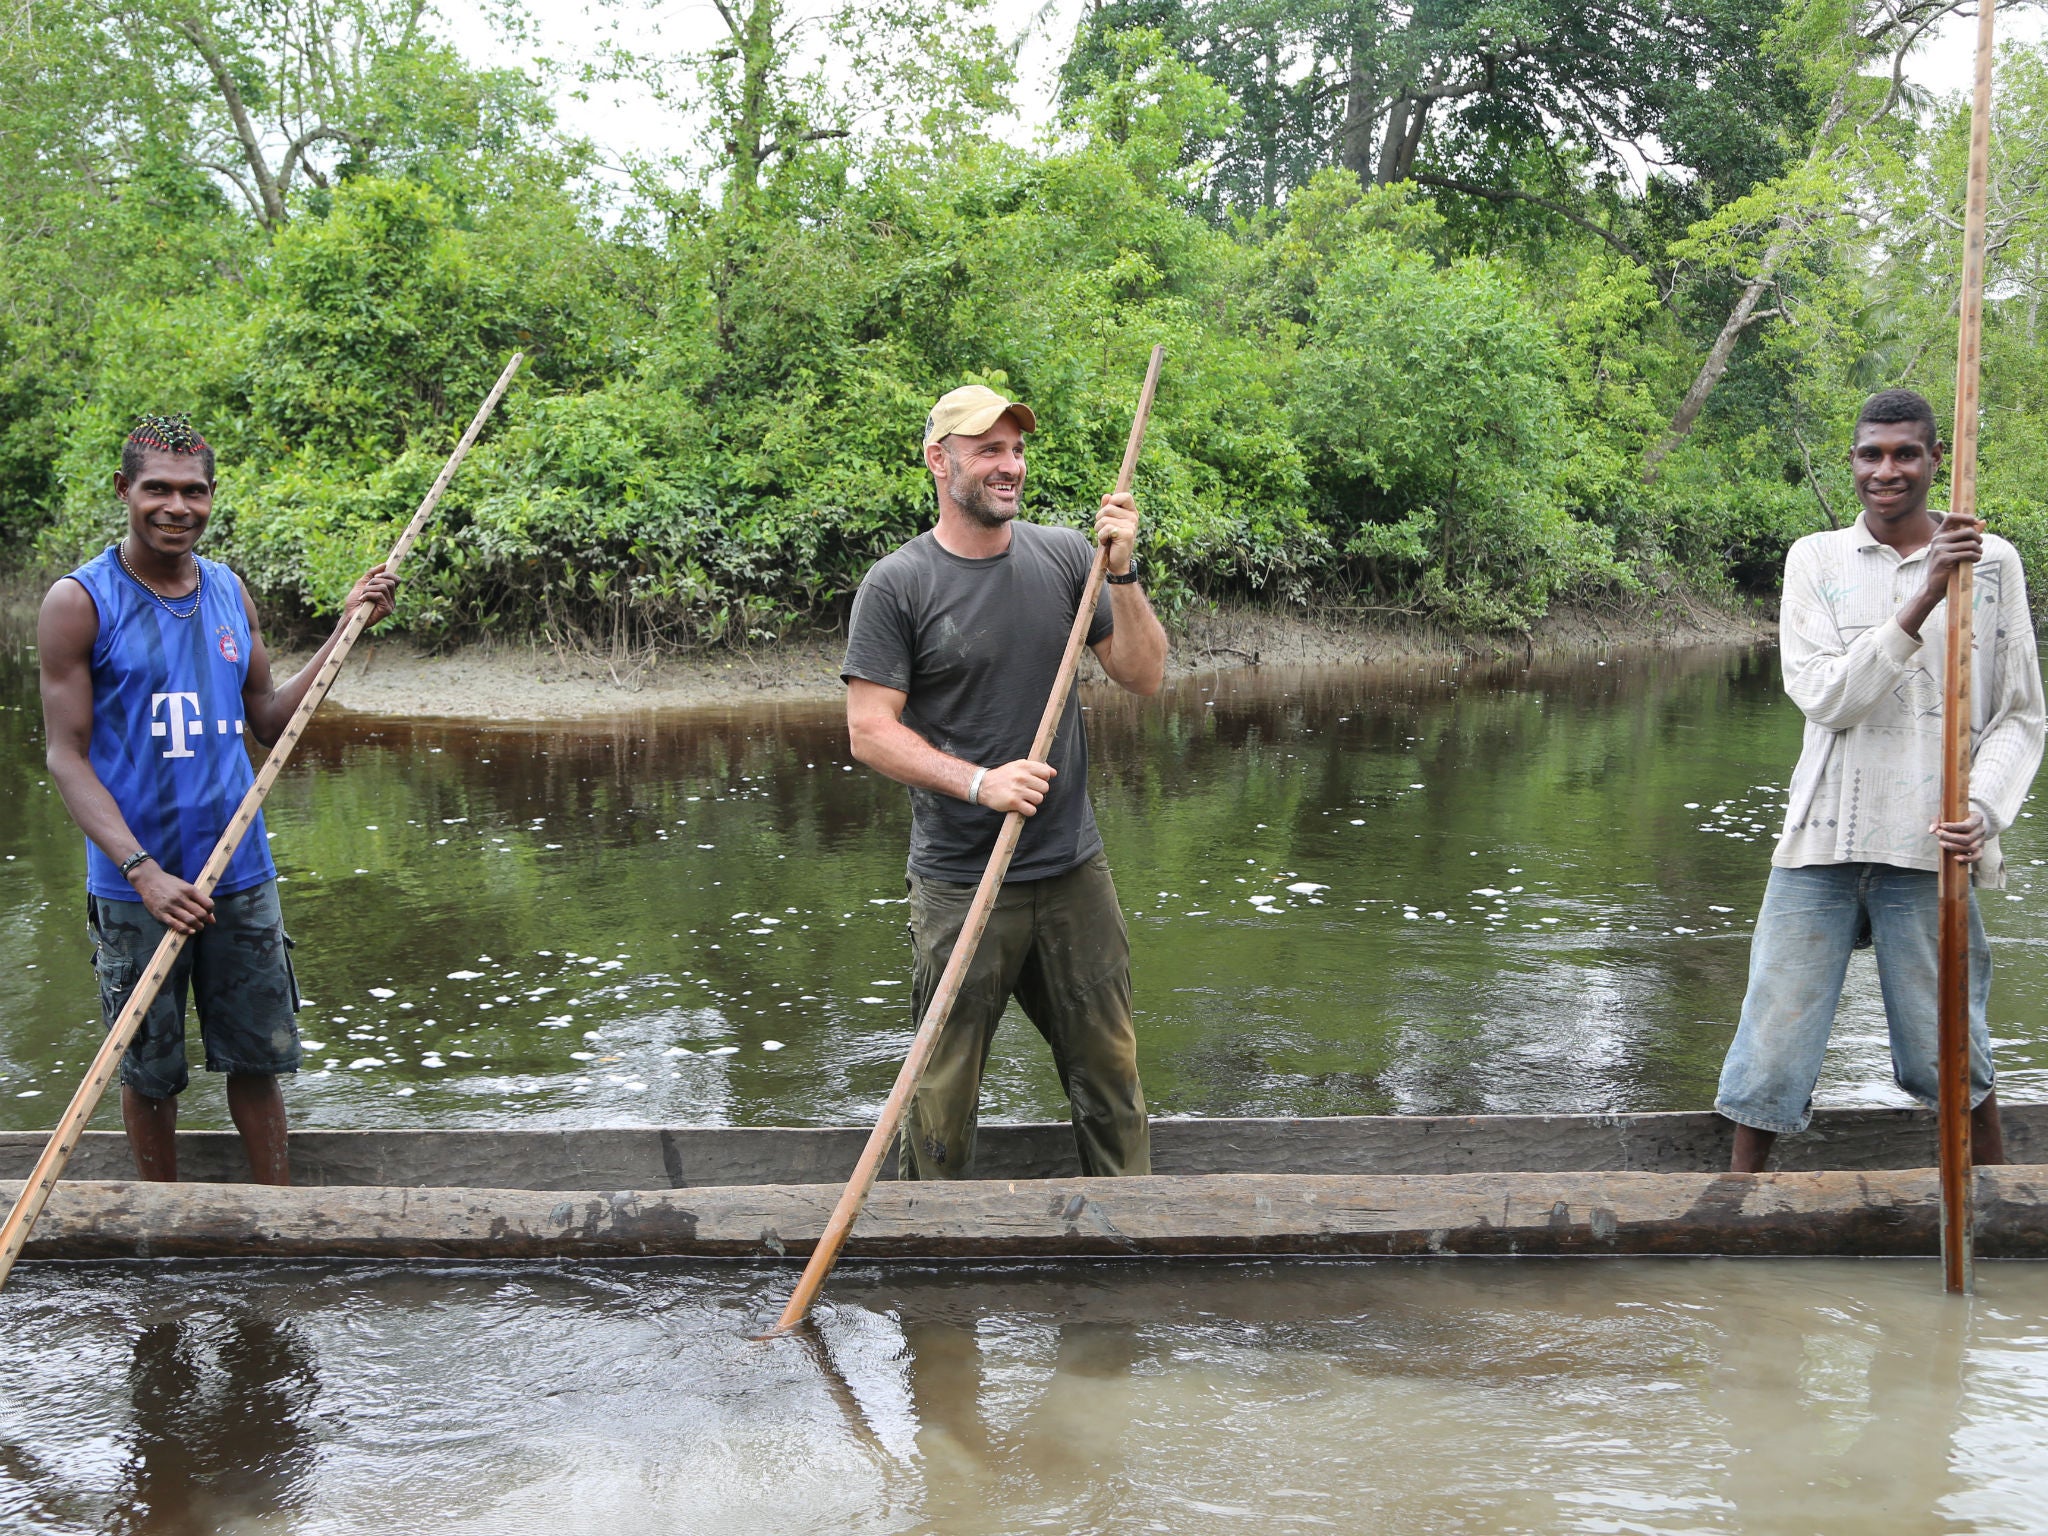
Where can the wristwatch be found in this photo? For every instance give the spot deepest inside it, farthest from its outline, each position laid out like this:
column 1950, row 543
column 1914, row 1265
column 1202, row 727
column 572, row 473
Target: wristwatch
column 1126, row 579
column 139, row 856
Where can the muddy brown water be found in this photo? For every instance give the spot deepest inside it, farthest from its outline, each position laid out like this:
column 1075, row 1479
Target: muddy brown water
column 1432, row 890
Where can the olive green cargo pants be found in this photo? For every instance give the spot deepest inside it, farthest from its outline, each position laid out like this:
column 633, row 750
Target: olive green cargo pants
column 1060, row 947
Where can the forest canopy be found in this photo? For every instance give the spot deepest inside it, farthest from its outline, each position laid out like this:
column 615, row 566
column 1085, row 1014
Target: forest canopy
column 1471, row 307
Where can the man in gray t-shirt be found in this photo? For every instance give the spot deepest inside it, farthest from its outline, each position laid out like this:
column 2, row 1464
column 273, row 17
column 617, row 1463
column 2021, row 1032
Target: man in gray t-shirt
column 952, row 651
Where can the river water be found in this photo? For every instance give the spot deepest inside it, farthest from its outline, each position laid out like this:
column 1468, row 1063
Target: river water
column 1430, row 890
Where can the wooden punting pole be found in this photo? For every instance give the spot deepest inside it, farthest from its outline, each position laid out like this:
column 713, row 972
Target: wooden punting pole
column 855, row 1195
column 1958, row 708
column 49, row 1167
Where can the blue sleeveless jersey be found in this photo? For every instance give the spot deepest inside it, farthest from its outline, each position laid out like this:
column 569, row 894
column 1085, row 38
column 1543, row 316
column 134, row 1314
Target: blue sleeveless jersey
column 167, row 724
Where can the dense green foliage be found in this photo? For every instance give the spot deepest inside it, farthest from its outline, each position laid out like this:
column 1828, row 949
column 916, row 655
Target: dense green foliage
column 1460, row 364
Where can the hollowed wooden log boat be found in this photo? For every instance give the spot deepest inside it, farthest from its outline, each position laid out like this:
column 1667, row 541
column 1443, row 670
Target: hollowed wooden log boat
column 1861, row 1182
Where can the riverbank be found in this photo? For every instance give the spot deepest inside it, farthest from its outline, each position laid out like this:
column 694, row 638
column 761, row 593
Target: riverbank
column 535, row 681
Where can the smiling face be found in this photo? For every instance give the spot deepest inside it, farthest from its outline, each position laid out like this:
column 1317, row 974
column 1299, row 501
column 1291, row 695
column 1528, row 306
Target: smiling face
column 1894, row 466
column 169, row 501
column 984, row 475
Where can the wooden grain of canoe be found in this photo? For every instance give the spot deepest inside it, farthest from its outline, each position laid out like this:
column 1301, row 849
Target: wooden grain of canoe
column 693, row 1157
column 1888, row 1212
column 1860, row 1183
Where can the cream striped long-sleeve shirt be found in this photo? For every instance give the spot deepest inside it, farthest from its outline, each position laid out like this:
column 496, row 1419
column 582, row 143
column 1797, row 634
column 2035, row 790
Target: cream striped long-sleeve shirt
column 1868, row 784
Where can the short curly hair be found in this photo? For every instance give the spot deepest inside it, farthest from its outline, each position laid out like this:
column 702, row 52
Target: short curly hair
column 1894, row 405
column 165, row 434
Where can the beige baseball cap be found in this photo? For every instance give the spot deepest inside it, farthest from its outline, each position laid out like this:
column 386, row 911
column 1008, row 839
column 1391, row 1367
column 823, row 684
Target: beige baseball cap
column 970, row 411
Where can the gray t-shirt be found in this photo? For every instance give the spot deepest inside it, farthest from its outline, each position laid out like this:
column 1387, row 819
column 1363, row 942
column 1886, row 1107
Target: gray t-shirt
column 976, row 645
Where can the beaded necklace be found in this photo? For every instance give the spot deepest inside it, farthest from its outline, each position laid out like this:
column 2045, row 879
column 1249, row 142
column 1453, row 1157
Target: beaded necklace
column 198, row 589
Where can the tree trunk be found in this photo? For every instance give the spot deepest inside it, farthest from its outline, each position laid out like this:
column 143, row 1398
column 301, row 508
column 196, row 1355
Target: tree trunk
column 1717, row 358
column 1355, row 152
column 753, row 41
column 1399, row 116
column 1411, row 143
column 1745, row 309
column 271, row 208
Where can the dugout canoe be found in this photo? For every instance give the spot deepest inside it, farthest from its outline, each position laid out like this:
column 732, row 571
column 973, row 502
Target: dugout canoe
column 1860, row 1183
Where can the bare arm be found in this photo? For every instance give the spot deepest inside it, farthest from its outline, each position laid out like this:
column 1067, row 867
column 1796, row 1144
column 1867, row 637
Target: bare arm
column 1134, row 653
column 65, row 631
column 874, row 722
column 267, row 705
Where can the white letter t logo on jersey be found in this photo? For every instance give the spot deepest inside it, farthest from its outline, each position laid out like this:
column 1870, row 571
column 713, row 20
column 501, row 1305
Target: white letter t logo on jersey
column 180, row 725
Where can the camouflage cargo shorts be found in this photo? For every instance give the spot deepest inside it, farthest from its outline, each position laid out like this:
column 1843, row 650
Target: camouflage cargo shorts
column 238, row 969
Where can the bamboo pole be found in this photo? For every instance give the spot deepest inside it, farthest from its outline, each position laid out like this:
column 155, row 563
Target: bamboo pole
column 49, row 1167
column 855, row 1195
column 1958, row 707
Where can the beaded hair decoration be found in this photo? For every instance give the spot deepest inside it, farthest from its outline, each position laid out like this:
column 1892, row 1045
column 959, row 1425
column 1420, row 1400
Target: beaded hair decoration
column 170, row 434
column 166, row 434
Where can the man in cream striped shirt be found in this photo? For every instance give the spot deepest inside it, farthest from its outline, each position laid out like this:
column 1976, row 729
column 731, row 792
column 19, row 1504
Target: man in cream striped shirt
column 1863, row 633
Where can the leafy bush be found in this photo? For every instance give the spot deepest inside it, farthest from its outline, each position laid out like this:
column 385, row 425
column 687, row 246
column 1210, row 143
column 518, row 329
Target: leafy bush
column 720, row 429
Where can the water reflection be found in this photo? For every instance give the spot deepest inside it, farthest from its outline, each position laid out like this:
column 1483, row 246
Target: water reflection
column 1878, row 1414
column 1426, row 891
column 220, row 1437
column 1517, row 889
column 1460, row 1398
column 1464, row 1396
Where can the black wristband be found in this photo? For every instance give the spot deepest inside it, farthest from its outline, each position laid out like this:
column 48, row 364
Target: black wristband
column 139, row 856
column 1124, row 580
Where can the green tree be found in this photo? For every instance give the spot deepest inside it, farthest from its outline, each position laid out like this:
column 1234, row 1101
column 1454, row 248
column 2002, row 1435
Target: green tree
column 1430, row 406
column 1458, row 93
column 1815, row 213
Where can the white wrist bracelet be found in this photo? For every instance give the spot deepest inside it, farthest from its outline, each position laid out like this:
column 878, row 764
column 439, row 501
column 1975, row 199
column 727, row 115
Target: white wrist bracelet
column 974, row 786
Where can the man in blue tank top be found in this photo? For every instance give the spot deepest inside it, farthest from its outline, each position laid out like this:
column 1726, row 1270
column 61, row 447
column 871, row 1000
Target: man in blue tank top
column 153, row 668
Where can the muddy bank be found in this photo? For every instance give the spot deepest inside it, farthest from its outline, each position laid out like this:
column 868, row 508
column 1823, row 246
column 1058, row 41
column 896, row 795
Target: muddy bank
column 536, row 682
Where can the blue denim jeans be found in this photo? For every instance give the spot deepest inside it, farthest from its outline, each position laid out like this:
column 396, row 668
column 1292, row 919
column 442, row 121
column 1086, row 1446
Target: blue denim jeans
column 1811, row 919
